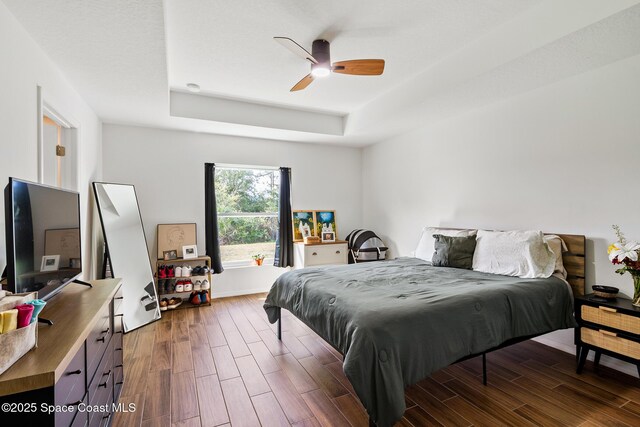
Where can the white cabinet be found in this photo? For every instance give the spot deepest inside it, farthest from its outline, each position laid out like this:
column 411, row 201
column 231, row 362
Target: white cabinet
column 307, row 255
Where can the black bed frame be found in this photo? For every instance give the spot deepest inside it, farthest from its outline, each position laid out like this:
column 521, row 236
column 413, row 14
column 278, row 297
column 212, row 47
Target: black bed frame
column 574, row 262
column 471, row 356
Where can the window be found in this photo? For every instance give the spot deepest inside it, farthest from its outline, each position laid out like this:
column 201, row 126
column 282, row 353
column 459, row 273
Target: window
column 247, row 202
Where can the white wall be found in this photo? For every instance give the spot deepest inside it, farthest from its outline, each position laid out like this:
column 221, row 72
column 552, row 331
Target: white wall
column 563, row 158
column 167, row 169
column 24, row 67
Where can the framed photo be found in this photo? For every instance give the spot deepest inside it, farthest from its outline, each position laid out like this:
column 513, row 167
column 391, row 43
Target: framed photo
column 326, row 222
column 174, row 237
column 189, row 251
column 169, row 255
column 304, row 224
column 328, row 236
column 50, row 263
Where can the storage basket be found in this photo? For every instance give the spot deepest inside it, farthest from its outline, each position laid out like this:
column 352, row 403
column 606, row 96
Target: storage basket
column 17, row 343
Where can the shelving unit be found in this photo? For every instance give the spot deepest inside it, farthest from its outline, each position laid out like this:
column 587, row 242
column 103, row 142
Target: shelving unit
column 192, row 262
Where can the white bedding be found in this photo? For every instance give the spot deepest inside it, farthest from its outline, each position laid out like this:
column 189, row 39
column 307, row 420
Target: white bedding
column 513, row 253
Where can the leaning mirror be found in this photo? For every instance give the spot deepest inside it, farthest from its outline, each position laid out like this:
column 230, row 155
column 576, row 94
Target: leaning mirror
column 128, row 254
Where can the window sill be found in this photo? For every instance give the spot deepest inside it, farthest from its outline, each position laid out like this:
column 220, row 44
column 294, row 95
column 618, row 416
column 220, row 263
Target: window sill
column 235, row 266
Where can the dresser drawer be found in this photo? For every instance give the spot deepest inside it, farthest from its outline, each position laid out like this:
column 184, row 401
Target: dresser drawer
column 609, row 341
column 610, row 317
column 101, row 387
column 74, row 418
column 325, row 254
column 71, row 387
column 117, row 302
column 98, row 340
column 81, row 419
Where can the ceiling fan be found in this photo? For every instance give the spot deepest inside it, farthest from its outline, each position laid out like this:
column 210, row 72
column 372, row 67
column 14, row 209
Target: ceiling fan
column 321, row 65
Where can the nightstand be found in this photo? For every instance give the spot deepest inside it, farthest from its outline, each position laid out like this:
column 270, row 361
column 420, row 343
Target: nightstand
column 611, row 328
column 312, row 254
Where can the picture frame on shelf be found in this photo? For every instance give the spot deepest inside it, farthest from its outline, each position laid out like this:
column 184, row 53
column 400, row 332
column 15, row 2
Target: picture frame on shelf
column 50, row 263
column 189, row 252
column 170, row 255
column 325, row 222
column 328, row 236
column 303, row 224
column 175, row 236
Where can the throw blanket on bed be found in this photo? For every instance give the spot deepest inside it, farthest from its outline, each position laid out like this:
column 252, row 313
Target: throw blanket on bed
column 396, row 322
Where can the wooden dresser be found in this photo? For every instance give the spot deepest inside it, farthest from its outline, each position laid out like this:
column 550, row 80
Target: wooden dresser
column 311, row 254
column 611, row 328
column 77, row 367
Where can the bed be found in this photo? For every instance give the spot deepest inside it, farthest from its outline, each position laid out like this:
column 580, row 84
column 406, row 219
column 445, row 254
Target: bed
column 396, row 322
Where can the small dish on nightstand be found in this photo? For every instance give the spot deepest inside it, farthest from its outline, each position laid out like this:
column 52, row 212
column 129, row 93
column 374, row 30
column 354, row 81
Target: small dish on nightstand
column 605, row 293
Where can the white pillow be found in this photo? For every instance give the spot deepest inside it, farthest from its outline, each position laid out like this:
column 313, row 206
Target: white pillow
column 557, row 246
column 426, row 245
column 513, row 253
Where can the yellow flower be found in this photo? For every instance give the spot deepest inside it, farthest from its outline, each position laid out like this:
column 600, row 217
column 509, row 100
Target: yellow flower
column 612, row 247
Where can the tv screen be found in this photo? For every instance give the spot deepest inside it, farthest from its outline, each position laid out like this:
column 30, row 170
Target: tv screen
column 43, row 237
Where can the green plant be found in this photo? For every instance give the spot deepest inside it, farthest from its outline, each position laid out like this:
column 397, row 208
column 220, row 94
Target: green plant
column 258, row 257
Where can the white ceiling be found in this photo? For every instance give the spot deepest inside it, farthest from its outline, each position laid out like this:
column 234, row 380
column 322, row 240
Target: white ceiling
column 227, row 46
column 127, row 58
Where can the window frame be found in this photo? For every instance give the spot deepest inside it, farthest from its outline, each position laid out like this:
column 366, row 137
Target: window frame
column 222, row 166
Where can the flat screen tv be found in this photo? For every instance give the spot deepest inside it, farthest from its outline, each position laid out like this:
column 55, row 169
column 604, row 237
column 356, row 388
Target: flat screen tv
column 43, row 237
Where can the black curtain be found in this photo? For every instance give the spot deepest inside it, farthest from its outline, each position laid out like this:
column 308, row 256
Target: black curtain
column 211, row 218
column 284, row 241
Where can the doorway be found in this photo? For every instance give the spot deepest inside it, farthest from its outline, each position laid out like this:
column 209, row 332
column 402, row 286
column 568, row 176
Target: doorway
column 58, row 149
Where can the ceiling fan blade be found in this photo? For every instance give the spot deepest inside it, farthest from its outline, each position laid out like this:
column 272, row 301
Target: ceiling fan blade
column 359, row 67
column 306, row 81
column 295, row 48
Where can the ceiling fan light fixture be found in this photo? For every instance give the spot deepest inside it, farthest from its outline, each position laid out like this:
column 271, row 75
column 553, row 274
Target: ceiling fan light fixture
column 321, row 66
column 320, row 71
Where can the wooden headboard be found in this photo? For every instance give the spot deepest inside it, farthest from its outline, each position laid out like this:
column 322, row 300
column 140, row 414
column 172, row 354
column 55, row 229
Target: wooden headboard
column 573, row 261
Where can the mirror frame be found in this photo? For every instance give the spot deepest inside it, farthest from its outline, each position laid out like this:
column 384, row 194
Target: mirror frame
column 94, row 185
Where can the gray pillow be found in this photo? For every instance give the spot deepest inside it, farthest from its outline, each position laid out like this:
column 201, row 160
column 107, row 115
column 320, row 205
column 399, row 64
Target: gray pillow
column 454, row 252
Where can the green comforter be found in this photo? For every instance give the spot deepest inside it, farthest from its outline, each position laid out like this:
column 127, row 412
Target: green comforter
column 398, row 321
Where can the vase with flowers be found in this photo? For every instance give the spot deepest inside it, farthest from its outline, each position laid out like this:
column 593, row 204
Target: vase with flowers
column 626, row 255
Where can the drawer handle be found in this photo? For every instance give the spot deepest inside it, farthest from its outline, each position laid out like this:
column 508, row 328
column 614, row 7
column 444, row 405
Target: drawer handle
column 119, row 298
column 337, row 252
column 106, row 331
column 78, row 372
column 118, row 349
column 315, row 253
column 612, row 334
column 108, row 375
column 118, row 315
column 120, row 383
column 609, row 309
column 118, row 366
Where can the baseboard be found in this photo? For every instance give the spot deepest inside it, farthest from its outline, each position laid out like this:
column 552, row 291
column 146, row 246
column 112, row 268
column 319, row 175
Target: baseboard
column 235, row 293
column 609, row 362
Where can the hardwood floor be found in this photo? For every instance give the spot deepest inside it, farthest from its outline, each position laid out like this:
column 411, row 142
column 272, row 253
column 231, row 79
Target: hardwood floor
column 223, row 365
